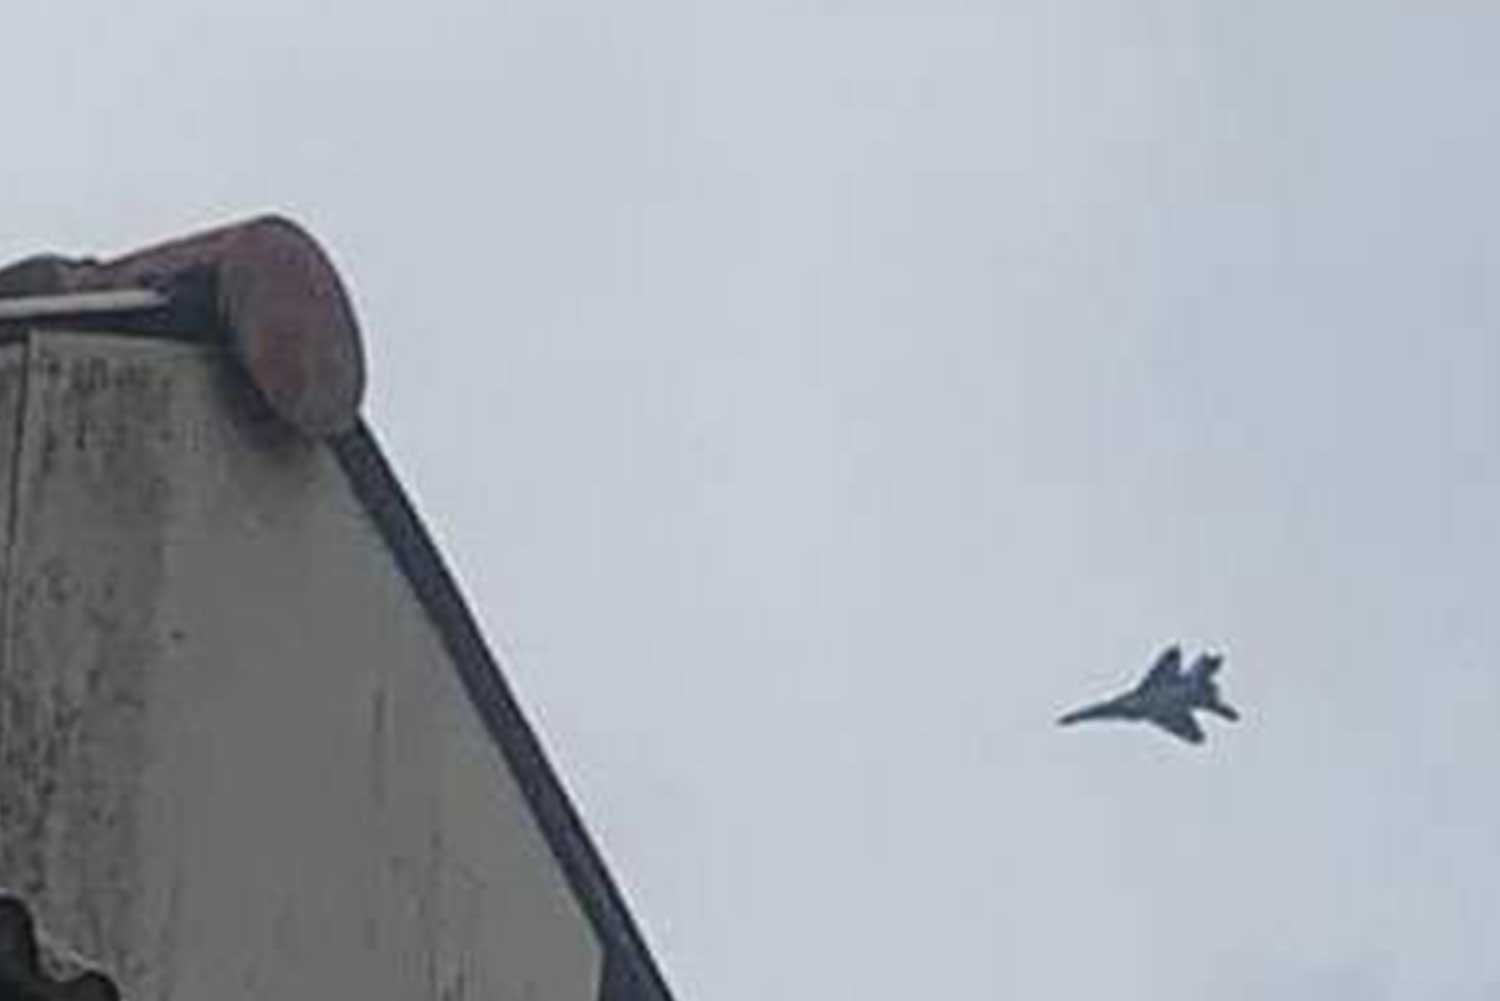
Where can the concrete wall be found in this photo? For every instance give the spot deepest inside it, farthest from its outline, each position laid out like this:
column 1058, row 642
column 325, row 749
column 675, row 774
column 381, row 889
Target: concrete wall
column 235, row 760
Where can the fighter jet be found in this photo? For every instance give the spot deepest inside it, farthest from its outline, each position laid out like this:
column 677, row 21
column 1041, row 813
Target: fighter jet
column 1167, row 697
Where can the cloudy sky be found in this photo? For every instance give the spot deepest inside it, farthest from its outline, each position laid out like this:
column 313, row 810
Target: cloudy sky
column 817, row 398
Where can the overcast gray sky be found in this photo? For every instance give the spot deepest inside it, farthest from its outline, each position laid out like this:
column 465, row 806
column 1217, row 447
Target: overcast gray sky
column 816, row 399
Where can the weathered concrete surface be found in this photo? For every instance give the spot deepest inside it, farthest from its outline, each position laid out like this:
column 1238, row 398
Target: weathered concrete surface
column 235, row 761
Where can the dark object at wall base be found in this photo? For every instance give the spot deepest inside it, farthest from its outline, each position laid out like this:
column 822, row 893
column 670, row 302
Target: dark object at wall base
column 265, row 285
column 21, row 975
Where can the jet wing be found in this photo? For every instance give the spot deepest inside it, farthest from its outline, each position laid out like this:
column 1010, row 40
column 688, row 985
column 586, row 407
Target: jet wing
column 1167, row 667
column 1180, row 724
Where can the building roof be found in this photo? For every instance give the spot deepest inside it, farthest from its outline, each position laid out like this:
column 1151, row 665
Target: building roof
column 630, row 972
column 265, row 294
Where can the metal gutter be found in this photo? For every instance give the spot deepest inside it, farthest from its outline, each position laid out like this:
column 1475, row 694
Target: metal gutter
column 112, row 301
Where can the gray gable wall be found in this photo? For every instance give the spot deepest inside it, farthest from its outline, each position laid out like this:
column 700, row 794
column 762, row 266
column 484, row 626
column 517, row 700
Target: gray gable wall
column 252, row 744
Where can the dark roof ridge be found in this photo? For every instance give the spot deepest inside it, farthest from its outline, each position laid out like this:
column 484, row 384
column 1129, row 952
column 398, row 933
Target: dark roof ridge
column 630, row 973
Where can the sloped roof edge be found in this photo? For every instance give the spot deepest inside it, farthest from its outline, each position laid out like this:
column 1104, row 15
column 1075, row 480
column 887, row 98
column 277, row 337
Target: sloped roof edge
column 630, row 973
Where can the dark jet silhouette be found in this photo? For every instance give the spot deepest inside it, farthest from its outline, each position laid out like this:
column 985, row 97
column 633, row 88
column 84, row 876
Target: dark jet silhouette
column 1167, row 697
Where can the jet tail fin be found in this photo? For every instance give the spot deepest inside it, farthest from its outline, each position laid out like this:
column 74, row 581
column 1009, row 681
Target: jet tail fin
column 1168, row 667
column 1206, row 665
